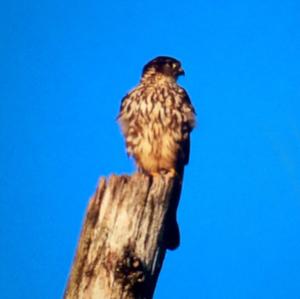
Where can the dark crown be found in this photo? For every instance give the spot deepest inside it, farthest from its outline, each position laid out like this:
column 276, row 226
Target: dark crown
column 165, row 65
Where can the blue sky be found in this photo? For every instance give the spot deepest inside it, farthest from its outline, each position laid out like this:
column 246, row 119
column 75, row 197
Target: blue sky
column 65, row 65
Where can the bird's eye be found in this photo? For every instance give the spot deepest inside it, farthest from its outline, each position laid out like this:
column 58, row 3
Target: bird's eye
column 174, row 65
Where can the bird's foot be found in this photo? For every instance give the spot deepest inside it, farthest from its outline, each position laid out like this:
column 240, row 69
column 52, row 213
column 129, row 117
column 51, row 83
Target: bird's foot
column 155, row 174
column 170, row 173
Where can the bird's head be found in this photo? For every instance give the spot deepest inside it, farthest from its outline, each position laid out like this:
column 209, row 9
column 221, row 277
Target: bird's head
column 164, row 65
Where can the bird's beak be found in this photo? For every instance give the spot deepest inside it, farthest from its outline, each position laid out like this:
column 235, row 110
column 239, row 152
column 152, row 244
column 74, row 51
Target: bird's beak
column 181, row 72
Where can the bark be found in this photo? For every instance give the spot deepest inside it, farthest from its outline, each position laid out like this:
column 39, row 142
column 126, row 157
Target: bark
column 129, row 224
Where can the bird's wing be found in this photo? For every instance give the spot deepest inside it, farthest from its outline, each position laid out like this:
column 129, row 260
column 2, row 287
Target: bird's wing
column 185, row 147
column 188, row 105
column 121, row 118
column 188, row 125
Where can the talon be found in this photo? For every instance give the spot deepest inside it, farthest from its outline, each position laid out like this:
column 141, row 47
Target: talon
column 155, row 174
column 172, row 173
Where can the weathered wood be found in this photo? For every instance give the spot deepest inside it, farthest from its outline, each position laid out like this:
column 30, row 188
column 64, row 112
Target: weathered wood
column 129, row 224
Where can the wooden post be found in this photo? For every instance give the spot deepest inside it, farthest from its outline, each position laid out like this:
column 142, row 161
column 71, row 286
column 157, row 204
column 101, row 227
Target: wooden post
column 129, row 224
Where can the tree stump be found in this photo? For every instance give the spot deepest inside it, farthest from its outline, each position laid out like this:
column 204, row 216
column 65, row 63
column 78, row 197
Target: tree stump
column 129, row 224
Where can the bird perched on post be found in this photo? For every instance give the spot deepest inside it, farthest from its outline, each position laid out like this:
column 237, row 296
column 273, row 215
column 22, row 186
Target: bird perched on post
column 157, row 117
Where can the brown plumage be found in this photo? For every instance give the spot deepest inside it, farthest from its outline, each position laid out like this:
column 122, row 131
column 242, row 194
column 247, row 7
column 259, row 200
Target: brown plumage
column 157, row 117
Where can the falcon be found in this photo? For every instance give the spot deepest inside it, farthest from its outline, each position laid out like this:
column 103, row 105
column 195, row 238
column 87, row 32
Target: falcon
column 157, row 117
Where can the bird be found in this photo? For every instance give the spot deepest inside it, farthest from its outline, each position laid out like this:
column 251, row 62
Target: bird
column 157, row 117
